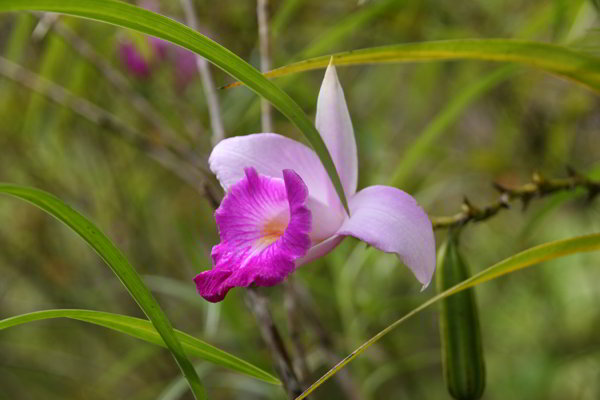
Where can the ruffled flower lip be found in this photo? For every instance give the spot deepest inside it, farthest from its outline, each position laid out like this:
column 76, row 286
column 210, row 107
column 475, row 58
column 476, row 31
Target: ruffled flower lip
column 264, row 227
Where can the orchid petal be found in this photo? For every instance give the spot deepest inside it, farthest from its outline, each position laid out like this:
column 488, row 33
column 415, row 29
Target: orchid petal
column 391, row 220
column 271, row 153
column 334, row 124
column 320, row 250
column 264, row 227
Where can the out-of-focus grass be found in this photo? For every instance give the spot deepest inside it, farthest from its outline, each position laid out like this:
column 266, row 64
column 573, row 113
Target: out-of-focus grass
column 539, row 326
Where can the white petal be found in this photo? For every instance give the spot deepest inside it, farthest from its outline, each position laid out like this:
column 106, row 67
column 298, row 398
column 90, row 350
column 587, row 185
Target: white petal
column 320, row 250
column 391, row 220
column 270, row 154
column 334, row 124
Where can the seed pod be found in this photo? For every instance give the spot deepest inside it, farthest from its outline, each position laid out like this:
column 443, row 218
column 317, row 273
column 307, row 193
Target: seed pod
column 462, row 350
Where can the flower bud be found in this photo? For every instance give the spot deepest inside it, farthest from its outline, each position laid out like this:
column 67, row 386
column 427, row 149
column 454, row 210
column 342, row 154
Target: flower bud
column 462, row 350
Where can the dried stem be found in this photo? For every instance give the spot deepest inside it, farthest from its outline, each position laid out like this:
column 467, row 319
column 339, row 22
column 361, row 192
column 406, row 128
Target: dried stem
column 283, row 363
column 295, row 328
column 214, row 110
column 262, row 13
column 44, row 25
column 538, row 187
column 305, row 304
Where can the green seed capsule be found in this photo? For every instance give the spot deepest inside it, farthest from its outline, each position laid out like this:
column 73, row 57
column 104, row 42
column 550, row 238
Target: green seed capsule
column 462, row 350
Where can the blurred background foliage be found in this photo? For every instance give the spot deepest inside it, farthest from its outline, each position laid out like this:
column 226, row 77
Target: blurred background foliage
column 539, row 326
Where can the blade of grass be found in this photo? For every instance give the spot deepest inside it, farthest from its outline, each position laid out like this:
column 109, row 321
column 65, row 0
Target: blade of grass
column 144, row 21
column 117, row 262
column 524, row 259
column 143, row 329
column 561, row 61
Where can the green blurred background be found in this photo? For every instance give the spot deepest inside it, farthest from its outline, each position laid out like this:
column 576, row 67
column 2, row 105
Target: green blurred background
column 540, row 326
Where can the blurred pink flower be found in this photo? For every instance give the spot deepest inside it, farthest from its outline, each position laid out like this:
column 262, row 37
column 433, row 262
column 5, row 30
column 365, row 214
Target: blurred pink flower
column 133, row 59
column 281, row 210
column 183, row 61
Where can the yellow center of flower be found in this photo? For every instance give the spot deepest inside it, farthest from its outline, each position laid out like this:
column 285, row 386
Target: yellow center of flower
column 271, row 231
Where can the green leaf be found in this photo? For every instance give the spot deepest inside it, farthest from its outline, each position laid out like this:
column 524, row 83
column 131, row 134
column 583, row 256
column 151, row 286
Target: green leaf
column 117, row 262
column 128, row 16
column 557, row 60
column 143, row 329
column 524, row 259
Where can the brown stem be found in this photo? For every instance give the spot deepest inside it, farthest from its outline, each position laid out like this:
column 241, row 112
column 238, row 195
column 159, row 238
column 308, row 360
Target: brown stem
column 306, row 305
column 270, row 334
column 295, row 329
column 537, row 188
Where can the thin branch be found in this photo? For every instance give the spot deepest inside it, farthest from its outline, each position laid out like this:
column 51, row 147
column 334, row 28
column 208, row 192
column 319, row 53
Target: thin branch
column 537, row 188
column 262, row 13
column 295, row 328
column 214, row 110
column 44, row 25
column 167, row 157
column 283, row 363
column 306, row 305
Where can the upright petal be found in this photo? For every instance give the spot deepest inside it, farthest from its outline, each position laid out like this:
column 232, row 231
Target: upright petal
column 391, row 220
column 264, row 227
column 334, row 124
column 269, row 154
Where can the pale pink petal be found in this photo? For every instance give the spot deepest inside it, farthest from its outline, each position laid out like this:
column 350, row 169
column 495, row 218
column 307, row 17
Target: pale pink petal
column 391, row 220
column 264, row 227
column 271, row 153
column 334, row 124
column 319, row 250
column 327, row 219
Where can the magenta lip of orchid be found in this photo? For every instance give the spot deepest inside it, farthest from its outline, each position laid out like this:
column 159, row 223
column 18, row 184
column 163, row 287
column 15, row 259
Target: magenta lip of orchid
column 281, row 211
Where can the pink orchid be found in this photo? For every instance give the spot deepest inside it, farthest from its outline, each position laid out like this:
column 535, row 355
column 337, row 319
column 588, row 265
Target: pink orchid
column 142, row 65
column 281, row 210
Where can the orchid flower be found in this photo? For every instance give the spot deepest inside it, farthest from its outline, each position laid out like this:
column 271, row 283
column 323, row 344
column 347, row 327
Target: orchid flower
column 281, row 210
column 141, row 63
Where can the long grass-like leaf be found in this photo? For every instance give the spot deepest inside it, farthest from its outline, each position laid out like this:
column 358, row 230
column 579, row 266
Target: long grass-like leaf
column 557, row 60
column 117, row 262
column 143, row 329
column 135, row 18
column 524, row 259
